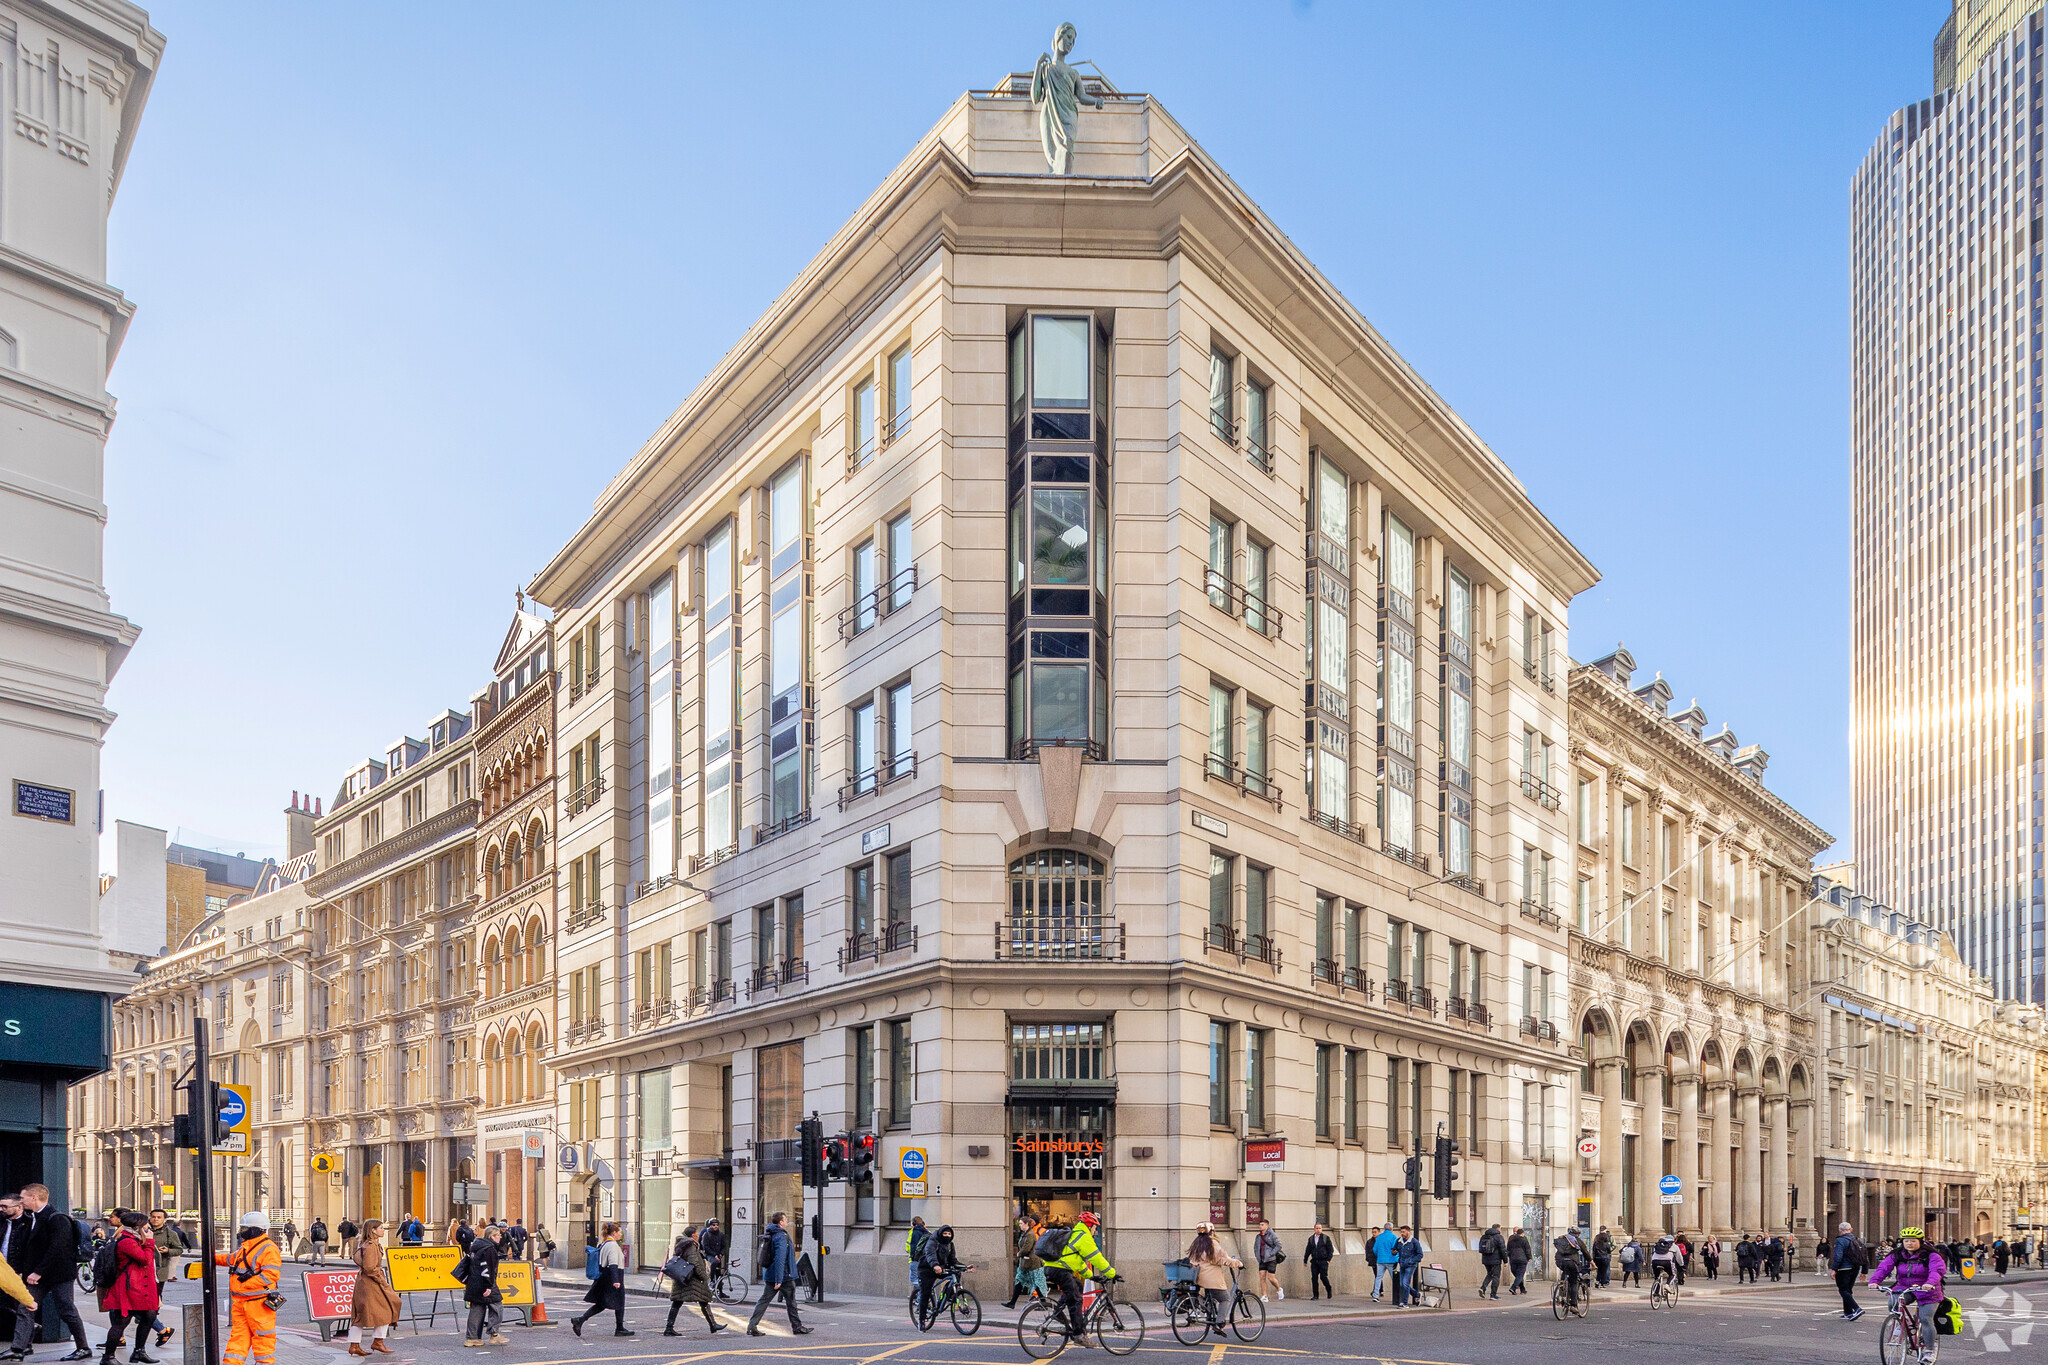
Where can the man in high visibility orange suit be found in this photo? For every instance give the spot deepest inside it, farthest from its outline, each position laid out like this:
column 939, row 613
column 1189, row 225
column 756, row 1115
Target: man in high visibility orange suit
column 255, row 1269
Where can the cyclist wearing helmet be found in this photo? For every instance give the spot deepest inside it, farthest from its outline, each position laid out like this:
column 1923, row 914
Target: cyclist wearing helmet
column 1079, row 1257
column 1664, row 1259
column 1917, row 1269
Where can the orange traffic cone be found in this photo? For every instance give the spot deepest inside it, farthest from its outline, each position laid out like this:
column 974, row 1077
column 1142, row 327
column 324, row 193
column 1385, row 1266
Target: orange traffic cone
column 539, row 1316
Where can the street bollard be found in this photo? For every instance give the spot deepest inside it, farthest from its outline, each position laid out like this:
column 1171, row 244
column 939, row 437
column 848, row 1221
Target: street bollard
column 194, row 1334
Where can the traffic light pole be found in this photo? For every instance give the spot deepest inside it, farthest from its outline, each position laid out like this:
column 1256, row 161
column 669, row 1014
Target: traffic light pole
column 202, row 1106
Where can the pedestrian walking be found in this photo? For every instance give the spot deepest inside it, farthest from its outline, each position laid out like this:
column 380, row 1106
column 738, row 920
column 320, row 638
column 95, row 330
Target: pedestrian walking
column 515, row 1239
column 412, row 1232
column 1027, row 1275
column 542, row 1246
column 372, row 1307
column 608, row 1290
column 1493, row 1252
column 1408, row 1252
column 464, row 1234
column 1380, row 1246
column 169, row 1243
column 1267, row 1252
column 1684, row 1261
column 132, row 1296
column 1519, row 1252
column 1846, row 1261
column 1632, row 1263
column 48, row 1263
column 13, row 1228
column 1317, row 1254
column 1774, row 1256
column 693, row 1286
column 290, row 1245
column 348, row 1232
column 317, row 1235
column 778, row 1276
column 23, row 1303
column 1603, row 1254
column 913, row 1246
column 2001, row 1255
column 1212, row 1273
column 477, row 1272
column 1710, row 1256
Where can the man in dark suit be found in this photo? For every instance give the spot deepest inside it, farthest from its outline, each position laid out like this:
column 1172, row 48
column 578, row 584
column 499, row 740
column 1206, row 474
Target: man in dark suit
column 13, row 1244
column 49, row 1266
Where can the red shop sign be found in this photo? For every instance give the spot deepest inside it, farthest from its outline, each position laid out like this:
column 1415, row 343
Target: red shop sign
column 1265, row 1155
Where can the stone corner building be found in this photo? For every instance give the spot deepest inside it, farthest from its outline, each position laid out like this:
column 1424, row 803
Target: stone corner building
column 1690, row 978
column 999, row 718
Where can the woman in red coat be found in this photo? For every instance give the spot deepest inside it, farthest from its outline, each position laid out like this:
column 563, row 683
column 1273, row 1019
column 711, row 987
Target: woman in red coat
column 133, row 1296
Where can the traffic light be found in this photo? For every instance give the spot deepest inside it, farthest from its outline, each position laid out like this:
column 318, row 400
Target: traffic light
column 810, row 1141
column 836, row 1165
column 185, row 1126
column 863, row 1161
column 221, row 1126
column 1446, row 1167
column 1411, row 1171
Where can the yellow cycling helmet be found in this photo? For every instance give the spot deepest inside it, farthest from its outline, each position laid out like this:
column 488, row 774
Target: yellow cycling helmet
column 1904, row 1233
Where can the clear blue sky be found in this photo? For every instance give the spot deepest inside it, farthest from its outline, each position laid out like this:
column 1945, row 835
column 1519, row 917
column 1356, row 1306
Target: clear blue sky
column 415, row 280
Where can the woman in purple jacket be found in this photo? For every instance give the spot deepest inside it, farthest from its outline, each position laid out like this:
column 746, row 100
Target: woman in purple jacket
column 1917, row 1269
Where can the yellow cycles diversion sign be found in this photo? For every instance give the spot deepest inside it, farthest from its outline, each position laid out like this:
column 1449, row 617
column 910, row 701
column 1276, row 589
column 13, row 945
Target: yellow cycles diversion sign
column 423, row 1270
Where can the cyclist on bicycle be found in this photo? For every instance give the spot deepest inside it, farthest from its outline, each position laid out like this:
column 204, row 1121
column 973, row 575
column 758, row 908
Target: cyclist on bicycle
column 1212, row 1274
column 1664, row 1260
column 1916, row 1269
column 935, row 1261
column 1077, row 1255
column 1572, row 1260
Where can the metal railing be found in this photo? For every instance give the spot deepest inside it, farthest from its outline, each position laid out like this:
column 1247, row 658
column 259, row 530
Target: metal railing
column 700, row 861
column 892, row 938
column 1343, row 828
column 1326, row 969
column 1060, row 940
column 1465, row 881
column 1224, row 938
column 1418, row 861
column 878, row 777
column 584, row 797
column 1217, row 768
column 775, row 976
column 868, row 610
column 588, row 1030
column 1236, row 600
column 775, row 829
column 1091, row 749
column 661, row 883
column 1539, row 791
column 1542, row 914
column 585, row 915
column 656, row 1013
column 713, row 993
column 1541, row 1029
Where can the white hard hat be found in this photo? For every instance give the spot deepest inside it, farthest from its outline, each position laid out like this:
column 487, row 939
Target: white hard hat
column 254, row 1219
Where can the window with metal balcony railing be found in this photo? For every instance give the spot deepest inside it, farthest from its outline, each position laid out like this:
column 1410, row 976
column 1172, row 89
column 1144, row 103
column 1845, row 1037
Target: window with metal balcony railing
column 881, row 775
column 775, row 829
column 1026, row 750
column 1541, row 914
column 711, row 993
column 655, row 1013
column 1326, row 970
column 869, row 609
column 1060, row 938
column 1217, row 768
column 700, row 861
column 872, row 947
column 1539, row 791
column 587, row 1030
column 585, row 915
column 1418, row 861
column 1243, row 603
column 776, row 976
column 1224, row 938
column 584, row 797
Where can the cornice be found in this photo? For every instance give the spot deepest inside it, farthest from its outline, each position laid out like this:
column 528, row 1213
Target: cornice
column 399, row 847
column 1624, row 710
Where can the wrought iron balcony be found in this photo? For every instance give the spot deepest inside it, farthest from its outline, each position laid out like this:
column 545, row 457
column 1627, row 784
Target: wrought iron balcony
column 1051, row 938
column 586, row 1030
column 1539, row 791
column 775, row 829
column 892, row 938
column 1418, row 861
column 713, row 993
column 700, row 861
column 869, row 609
column 1224, row 938
column 1542, row 914
column 1027, row 749
column 656, row 1013
column 1217, row 768
column 585, row 915
column 584, row 797
column 878, row 777
column 776, row 976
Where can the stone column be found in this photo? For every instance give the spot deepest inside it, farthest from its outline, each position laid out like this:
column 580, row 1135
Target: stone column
column 1608, row 1172
column 1749, row 1181
column 1692, row 1214
column 1777, row 1167
column 1649, row 1148
column 1722, row 1094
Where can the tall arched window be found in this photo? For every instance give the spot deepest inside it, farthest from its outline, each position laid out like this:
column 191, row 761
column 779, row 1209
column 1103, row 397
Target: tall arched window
column 1630, row 1059
column 533, row 970
column 1057, row 908
column 536, row 1048
column 514, row 874
column 494, row 968
column 515, row 1069
column 536, row 849
column 515, row 955
column 494, row 1069
column 1589, row 1037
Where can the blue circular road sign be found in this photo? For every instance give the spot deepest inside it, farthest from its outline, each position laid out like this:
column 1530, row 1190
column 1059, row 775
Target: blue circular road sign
column 913, row 1163
column 1670, row 1184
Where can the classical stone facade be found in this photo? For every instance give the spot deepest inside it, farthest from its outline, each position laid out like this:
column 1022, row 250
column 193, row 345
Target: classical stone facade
column 951, row 771
column 392, row 1074
column 1690, row 966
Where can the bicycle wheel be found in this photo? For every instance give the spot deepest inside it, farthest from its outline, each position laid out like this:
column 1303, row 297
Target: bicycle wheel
column 1558, row 1307
column 1583, row 1301
column 1119, row 1327
column 1892, row 1345
column 1040, row 1333
column 965, row 1310
column 730, row 1288
column 1247, row 1316
column 1187, row 1315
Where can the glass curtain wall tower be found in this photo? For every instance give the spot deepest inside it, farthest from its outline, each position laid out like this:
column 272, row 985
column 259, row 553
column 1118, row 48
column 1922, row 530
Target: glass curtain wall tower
column 1947, row 720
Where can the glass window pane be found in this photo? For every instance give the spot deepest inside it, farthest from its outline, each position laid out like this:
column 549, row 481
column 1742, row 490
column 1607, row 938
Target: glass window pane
column 1219, row 892
column 786, row 506
column 1333, row 784
column 1333, row 503
column 1458, row 607
column 863, row 741
column 1059, row 362
column 786, row 648
column 864, row 419
column 1255, row 417
column 1017, row 375
column 1220, row 698
column 864, row 584
column 1255, row 746
column 718, row 573
column 1254, row 901
column 1059, row 536
column 863, row 893
column 1219, row 562
column 1016, row 546
column 1400, row 556
column 1458, row 848
column 1458, row 729
column 902, row 571
column 1400, row 817
column 1254, row 584
column 899, row 721
column 1219, row 394
column 1059, row 701
column 899, row 392
column 1333, row 656
column 1400, row 700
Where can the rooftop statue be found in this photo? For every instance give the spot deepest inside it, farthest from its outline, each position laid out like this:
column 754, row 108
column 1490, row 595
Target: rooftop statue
column 1056, row 92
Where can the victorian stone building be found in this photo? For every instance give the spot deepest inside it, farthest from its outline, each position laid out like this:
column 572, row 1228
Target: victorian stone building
column 392, row 1079
column 513, row 932
column 1066, row 698
column 1690, row 906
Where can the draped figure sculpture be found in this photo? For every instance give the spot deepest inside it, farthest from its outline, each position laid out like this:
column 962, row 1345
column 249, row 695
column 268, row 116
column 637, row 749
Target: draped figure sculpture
column 1057, row 94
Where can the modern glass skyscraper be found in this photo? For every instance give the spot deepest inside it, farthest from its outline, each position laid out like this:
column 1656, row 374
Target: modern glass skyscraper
column 1947, row 718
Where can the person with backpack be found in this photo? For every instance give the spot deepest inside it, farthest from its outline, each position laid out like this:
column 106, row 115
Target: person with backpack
column 412, row 1232
column 778, row 1277
column 1916, row 1268
column 689, row 1281
column 1070, row 1253
column 608, row 1290
column 1493, row 1250
column 1519, row 1255
column 477, row 1272
column 938, row 1260
column 1603, row 1255
column 317, row 1235
column 1710, row 1257
column 1632, row 1262
column 48, row 1260
column 128, row 1293
column 348, row 1232
column 1847, row 1262
column 1664, row 1260
column 913, row 1246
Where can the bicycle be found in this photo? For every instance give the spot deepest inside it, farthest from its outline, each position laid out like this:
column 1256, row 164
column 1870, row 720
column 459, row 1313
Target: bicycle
column 957, row 1301
column 727, row 1285
column 1118, row 1328
column 1663, row 1291
column 1901, row 1341
column 1568, row 1298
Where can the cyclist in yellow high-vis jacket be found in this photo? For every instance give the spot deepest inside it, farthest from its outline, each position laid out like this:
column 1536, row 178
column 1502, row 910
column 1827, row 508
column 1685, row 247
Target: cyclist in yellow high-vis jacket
column 1081, row 1258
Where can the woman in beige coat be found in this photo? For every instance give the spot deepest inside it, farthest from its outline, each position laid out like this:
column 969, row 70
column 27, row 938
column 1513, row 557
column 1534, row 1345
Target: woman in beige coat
column 374, row 1305
column 1212, row 1273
